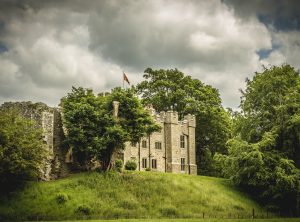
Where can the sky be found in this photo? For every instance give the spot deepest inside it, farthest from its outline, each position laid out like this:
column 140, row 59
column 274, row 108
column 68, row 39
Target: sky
column 46, row 47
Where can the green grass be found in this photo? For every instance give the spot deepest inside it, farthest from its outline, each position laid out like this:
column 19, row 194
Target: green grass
column 128, row 195
column 201, row 220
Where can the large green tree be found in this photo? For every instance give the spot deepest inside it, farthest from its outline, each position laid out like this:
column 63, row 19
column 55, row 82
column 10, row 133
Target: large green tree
column 173, row 90
column 94, row 132
column 266, row 141
column 271, row 103
column 271, row 178
column 21, row 149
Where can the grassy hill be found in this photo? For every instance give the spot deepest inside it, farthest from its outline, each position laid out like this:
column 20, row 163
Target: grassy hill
column 128, row 195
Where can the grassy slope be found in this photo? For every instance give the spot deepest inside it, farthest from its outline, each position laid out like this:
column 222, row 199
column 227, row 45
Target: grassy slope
column 130, row 195
column 201, row 220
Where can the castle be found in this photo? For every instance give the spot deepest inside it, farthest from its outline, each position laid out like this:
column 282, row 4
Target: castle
column 170, row 150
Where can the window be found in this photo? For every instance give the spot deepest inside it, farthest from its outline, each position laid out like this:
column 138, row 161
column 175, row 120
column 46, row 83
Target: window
column 182, row 166
column 182, row 145
column 144, row 163
column 154, row 164
column 158, row 145
column 144, row 144
column 133, row 144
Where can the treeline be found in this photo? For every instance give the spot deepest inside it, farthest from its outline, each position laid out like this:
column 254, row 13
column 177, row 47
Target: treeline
column 258, row 147
column 263, row 155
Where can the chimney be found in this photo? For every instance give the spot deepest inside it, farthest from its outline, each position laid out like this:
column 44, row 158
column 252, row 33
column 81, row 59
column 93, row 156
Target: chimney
column 115, row 108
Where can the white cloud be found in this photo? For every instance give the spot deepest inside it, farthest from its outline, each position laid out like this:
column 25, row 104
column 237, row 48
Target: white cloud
column 46, row 60
column 288, row 50
column 54, row 45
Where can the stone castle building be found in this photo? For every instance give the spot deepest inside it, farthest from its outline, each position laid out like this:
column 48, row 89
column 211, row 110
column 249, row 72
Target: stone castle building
column 170, row 150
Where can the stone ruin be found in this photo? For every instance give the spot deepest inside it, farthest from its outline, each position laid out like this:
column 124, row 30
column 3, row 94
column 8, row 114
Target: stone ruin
column 57, row 163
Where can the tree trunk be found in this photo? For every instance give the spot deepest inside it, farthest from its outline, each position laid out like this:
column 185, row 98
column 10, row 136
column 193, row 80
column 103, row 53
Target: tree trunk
column 107, row 160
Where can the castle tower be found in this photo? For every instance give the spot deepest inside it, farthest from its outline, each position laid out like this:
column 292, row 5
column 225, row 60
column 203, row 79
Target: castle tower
column 172, row 143
column 172, row 149
column 191, row 143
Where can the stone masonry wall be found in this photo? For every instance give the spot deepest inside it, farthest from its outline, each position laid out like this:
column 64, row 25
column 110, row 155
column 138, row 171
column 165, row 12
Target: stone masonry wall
column 168, row 158
column 49, row 120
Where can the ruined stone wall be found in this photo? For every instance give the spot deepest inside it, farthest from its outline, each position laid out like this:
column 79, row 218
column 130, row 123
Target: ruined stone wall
column 49, row 120
column 59, row 161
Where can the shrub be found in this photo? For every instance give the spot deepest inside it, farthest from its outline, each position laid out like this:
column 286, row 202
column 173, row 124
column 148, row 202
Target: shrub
column 61, row 198
column 169, row 211
column 118, row 165
column 130, row 165
column 22, row 152
column 148, row 169
column 84, row 209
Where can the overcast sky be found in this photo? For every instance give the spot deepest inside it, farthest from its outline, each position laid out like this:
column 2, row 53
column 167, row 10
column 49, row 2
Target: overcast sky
column 46, row 47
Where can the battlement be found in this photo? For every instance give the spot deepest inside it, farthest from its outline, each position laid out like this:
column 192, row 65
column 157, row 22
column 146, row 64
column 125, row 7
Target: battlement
column 190, row 120
column 172, row 117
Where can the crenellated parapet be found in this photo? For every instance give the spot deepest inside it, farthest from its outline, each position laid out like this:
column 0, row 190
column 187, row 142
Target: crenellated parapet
column 172, row 117
column 190, row 120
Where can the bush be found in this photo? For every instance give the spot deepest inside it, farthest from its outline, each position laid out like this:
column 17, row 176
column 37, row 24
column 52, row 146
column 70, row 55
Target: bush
column 148, row 169
column 22, row 152
column 169, row 211
column 84, row 209
column 118, row 165
column 61, row 198
column 130, row 165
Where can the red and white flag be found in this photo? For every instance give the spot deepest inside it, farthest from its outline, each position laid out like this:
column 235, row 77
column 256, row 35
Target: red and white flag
column 125, row 78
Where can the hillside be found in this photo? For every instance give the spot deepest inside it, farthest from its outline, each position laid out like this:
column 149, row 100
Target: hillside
column 128, row 195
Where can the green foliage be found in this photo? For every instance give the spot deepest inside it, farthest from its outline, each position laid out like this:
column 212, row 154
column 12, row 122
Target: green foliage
column 271, row 104
column 21, row 149
column 119, row 165
column 93, row 131
column 275, row 179
column 61, row 198
column 169, row 211
column 207, row 165
column 266, row 144
column 132, row 194
column 82, row 112
column 172, row 90
column 84, row 209
column 130, row 165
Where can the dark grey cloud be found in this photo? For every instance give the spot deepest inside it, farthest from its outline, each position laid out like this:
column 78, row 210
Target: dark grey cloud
column 283, row 15
column 48, row 46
